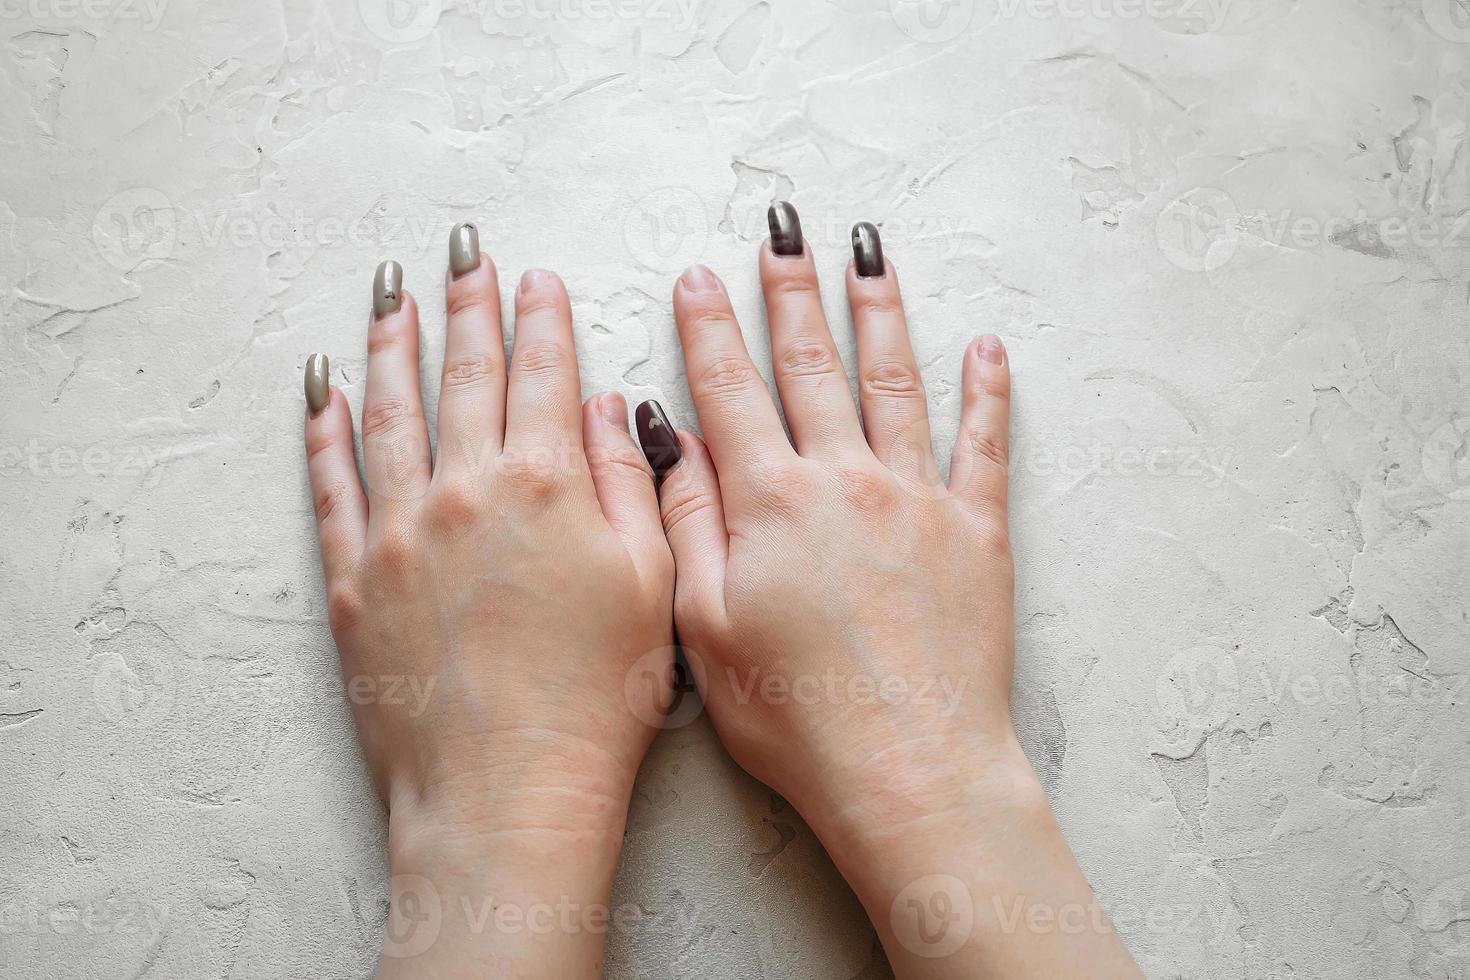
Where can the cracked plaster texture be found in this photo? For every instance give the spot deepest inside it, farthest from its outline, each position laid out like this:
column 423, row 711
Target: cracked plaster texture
column 1225, row 242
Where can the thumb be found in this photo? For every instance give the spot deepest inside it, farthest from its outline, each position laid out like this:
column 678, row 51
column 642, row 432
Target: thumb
column 692, row 511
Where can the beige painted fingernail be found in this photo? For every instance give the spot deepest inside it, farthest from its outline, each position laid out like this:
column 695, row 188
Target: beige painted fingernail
column 464, row 248
column 318, row 383
column 387, row 288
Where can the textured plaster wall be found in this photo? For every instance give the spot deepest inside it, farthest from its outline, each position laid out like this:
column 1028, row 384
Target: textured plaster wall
column 1227, row 243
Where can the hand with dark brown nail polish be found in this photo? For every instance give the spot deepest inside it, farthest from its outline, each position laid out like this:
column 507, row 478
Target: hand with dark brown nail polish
column 848, row 614
column 502, row 614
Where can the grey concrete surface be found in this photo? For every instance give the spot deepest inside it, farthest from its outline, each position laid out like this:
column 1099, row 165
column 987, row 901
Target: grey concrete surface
column 1226, row 242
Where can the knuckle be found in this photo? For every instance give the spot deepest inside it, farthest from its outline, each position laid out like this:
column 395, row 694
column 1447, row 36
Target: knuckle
column 545, row 295
column 474, row 300
column 328, row 498
column 877, row 305
column 808, row 358
column 393, row 558
column 469, row 370
column 532, row 476
column 345, row 609
column 387, row 333
column 541, row 357
column 892, row 378
column 385, row 415
column 317, row 442
column 792, row 278
column 617, row 460
column 728, row 376
column 680, row 503
column 454, row 506
column 704, row 317
column 783, row 483
column 867, row 488
column 988, row 445
column 993, row 384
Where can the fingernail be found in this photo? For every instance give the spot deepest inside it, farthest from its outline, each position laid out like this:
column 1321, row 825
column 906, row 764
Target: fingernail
column 387, row 288
column 867, row 250
column 785, row 229
column 991, row 349
column 659, row 440
column 464, row 248
column 699, row 279
column 614, row 411
column 532, row 278
column 318, row 383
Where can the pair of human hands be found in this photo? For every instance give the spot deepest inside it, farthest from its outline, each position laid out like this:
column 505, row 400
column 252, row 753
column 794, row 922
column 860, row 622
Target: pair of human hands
column 505, row 609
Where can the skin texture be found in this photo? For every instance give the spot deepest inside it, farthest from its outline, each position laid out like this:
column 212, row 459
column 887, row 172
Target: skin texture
column 848, row 618
column 489, row 607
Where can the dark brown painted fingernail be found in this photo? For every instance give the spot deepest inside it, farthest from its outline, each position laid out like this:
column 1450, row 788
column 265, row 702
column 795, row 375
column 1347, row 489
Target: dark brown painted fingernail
column 318, row 383
column 867, row 250
column 785, row 229
column 659, row 440
column 387, row 288
column 464, row 248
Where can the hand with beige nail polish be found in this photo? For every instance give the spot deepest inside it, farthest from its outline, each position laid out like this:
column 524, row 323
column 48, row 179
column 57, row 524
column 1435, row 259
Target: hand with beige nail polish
column 848, row 617
column 489, row 603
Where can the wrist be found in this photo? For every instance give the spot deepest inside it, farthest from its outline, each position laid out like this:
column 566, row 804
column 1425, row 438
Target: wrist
column 919, row 805
column 963, row 868
column 503, row 882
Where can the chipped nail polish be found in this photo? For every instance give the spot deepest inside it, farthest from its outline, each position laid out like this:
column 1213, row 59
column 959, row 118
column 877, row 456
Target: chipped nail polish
column 464, row 248
column 785, row 226
column 867, row 250
column 659, row 440
column 318, row 383
column 387, row 288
